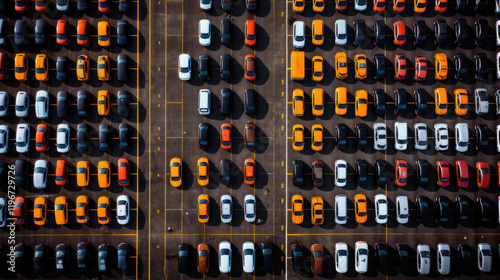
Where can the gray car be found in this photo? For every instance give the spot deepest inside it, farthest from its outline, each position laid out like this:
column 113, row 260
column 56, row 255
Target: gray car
column 379, row 136
column 423, row 259
column 23, row 138
column 40, row 174
column 122, row 68
column 4, row 104
column 484, row 257
column 3, row 41
column 40, row 36
column 481, row 101
column 420, row 136
column 19, row 32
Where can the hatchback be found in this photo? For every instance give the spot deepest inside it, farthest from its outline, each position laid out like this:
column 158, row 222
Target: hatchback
column 361, row 257
column 121, row 33
column 123, row 172
column 399, row 33
column 379, row 136
column 40, row 174
column 249, row 171
column 249, row 136
column 297, row 209
column 203, row 258
column 299, row 34
column 420, row 68
column 400, row 66
column 22, row 104
column 317, row 173
column 481, row 101
column 419, row 33
column 82, row 68
column 317, row 32
column 184, row 67
column 204, row 32
column 62, row 67
column 420, row 136
column 250, row 67
column 21, row 67
column 317, row 211
column 298, row 173
column 103, row 68
column 250, row 33
column 61, row 210
column 103, row 210
column 360, row 208
column 4, row 139
column 203, row 177
column 401, row 173
column 82, row 209
column 340, row 32
column 104, row 174
column 82, row 31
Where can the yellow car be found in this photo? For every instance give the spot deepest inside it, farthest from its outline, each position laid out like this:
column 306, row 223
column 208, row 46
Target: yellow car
column 82, row 209
column 318, row 5
column 104, row 174
column 82, row 173
column 317, row 210
column 317, row 72
column 42, row 67
column 40, row 211
column 298, row 137
column 21, row 66
column 297, row 209
column 103, row 209
column 103, row 34
column 361, row 103
column 103, row 103
column 298, row 104
column 341, row 101
column 419, row 6
column 318, row 102
column 461, row 101
column 298, row 6
column 176, row 172
column 441, row 101
column 360, row 66
column 103, row 68
column 317, row 32
column 203, row 172
column 203, row 208
column 360, row 208
column 341, row 65
column 317, row 138
column 441, row 64
column 82, row 68
column 61, row 210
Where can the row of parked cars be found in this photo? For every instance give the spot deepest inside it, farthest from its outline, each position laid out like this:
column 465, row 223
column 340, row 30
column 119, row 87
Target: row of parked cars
column 226, row 208
column 227, row 5
column 249, row 136
column 184, row 69
column 63, row 5
column 403, row 259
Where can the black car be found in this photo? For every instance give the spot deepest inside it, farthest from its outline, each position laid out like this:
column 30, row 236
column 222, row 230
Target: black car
column 379, row 32
column 21, row 173
column 38, row 260
column 62, row 105
column 40, row 35
column 443, row 213
column 225, row 32
column 123, row 6
column 482, row 136
column 225, row 101
column 481, row 27
column 82, row 5
column 225, row 72
column 382, row 256
column 467, row 259
column 361, row 167
column 460, row 26
column 341, row 136
column 267, row 256
column 480, row 5
column 481, row 61
column 62, row 258
column 380, row 172
column 123, row 136
column 461, row 5
column 82, row 255
column 423, row 210
column 19, row 258
column 361, row 131
column 204, row 75
column 298, row 172
column 483, row 209
column 402, row 258
column 62, row 68
column 82, row 103
column 297, row 257
column 419, row 32
column 379, row 64
column 461, row 66
column 400, row 101
column 203, row 135
column 440, row 32
column 104, row 137
column 123, row 251
column 379, row 101
column 423, row 172
column 121, row 64
column 19, row 32
column 225, row 176
column 102, row 257
column 81, row 138
column 249, row 101
column 359, row 31
column 463, row 208
column 122, row 102
column 121, row 33
column 226, row 5
column 420, row 96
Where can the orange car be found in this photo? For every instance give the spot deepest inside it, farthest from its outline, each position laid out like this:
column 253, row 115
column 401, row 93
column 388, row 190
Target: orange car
column 249, row 171
column 341, row 101
column 461, row 101
column 62, row 32
column 41, row 67
column 441, row 6
column 360, row 208
column 250, row 67
column 379, row 5
column 398, row 6
column 420, row 68
column 21, row 67
column 103, row 209
column 399, row 33
column 82, row 209
column 203, row 208
column 341, row 5
column 318, row 6
column 399, row 66
column 40, row 211
column 317, row 258
column 361, row 103
column 103, row 6
column 419, row 6
column 104, row 174
column 42, row 132
column 401, row 172
column 202, row 263
column 250, row 38
column 225, row 136
column 82, row 31
column 19, row 210
column 483, row 175
column 61, row 172
column 441, row 101
column 297, row 209
column 123, row 172
column 41, row 5
column 441, row 66
column 61, row 210
column 21, row 5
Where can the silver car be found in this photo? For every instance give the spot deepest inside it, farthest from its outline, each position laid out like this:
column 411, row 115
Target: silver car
column 4, row 139
column 22, row 104
column 226, row 208
column 22, row 138
column 420, row 136
column 40, row 174
column 402, row 209
column 4, row 104
column 42, row 104
column 299, row 34
column 484, row 257
column 481, row 101
column 497, row 132
column 225, row 256
column 123, row 209
column 250, row 208
column 62, row 138
column 248, row 256
column 423, row 259
column 441, row 137
column 461, row 137
column 443, row 258
column 379, row 136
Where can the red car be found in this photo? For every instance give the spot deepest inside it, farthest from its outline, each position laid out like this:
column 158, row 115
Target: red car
column 61, row 172
column 398, row 6
column 379, row 5
column 82, row 32
column 42, row 137
column 441, row 6
column 483, row 175
column 225, row 136
column 462, row 170
column 443, row 173
column 249, row 171
column 41, row 5
column 420, row 68
column 20, row 210
column 399, row 66
column 401, row 172
column 250, row 61
column 399, row 33
column 3, row 66
column 62, row 32
column 21, row 5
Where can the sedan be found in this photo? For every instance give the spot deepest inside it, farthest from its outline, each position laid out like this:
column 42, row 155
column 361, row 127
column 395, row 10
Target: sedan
column 250, row 208
column 361, row 257
column 381, row 209
column 63, row 138
column 399, row 33
column 341, row 257
column 420, row 68
column 481, row 61
column 299, row 34
column 440, row 32
column 401, row 173
column 40, row 174
column 123, row 209
column 340, row 173
column 4, row 139
column 226, row 208
column 419, row 32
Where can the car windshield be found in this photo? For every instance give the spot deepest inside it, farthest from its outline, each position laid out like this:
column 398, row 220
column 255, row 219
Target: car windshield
column 204, row 35
column 342, row 36
column 318, row 36
column 401, row 37
column 342, row 106
column 299, row 38
column 342, row 253
column 247, row 252
column 184, row 69
column 318, row 254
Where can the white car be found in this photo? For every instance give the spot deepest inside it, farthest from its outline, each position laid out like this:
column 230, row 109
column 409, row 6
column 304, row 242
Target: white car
column 340, row 173
column 205, row 5
column 299, row 34
column 341, row 257
column 23, row 138
column 42, row 104
column 360, row 5
column 423, row 259
column 461, row 137
column 402, row 209
column 4, row 104
column 497, row 132
column 4, row 139
column 481, row 101
column 381, row 213
column 420, row 136
column 441, row 137
column 248, row 256
column 62, row 140
column 443, row 258
column 225, row 256
column 379, row 137
column 341, row 209
column 22, row 104
column 184, row 67
column 40, row 174
column 361, row 257
column 400, row 136
column 226, row 208
column 497, row 9
column 62, row 5
column 250, row 208
column 484, row 257
column 340, row 32
column 498, row 65
column 497, row 25
column 205, row 32
column 123, row 209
